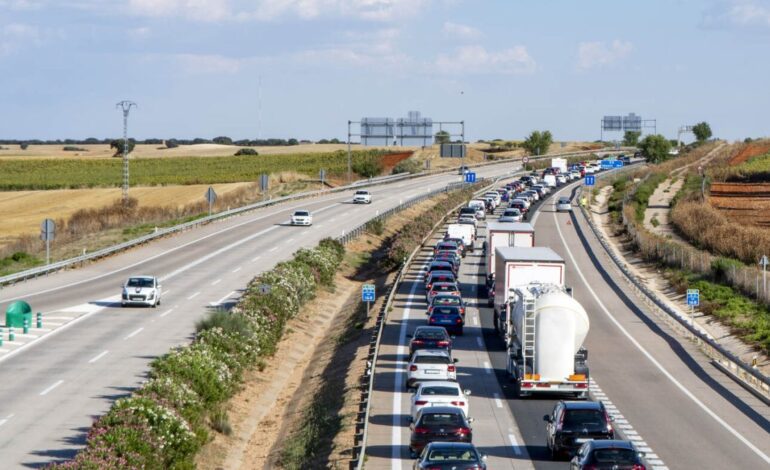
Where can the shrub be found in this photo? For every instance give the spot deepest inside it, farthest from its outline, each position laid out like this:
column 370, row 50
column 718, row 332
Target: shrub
column 172, row 143
column 24, row 145
column 246, row 152
column 407, row 166
column 70, row 148
column 367, row 166
column 376, row 227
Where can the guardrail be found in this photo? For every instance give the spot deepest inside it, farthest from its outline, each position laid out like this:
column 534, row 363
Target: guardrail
column 743, row 373
column 59, row 265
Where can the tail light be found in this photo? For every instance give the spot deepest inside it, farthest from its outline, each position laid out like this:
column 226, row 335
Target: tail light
column 458, row 403
column 419, row 430
column 463, row 431
column 413, row 368
column 638, row 466
column 608, row 421
column 526, row 385
column 451, row 368
column 421, row 402
column 583, row 385
column 432, row 319
column 442, row 343
column 462, row 310
column 418, row 341
column 459, row 321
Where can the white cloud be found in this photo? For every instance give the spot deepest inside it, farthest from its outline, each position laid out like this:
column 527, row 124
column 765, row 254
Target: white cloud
column 16, row 35
column 20, row 4
column 597, row 54
column 199, row 10
column 738, row 14
column 461, row 31
column 476, row 59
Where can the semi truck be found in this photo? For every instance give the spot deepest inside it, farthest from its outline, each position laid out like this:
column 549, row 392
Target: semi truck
column 560, row 163
column 520, row 234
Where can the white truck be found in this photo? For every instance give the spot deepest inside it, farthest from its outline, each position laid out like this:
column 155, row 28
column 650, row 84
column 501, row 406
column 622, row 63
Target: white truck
column 550, row 180
column 464, row 231
column 560, row 163
column 546, row 331
column 519, row 234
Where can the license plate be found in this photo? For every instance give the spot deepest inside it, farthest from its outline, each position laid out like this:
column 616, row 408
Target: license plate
column 432, row 371
column 582, row 440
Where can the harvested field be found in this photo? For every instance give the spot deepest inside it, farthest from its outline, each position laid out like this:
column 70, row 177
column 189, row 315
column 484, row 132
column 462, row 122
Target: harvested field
column 743, row 203
column 751, row 150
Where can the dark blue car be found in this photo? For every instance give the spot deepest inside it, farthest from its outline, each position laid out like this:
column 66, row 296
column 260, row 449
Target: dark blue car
column 450, row 317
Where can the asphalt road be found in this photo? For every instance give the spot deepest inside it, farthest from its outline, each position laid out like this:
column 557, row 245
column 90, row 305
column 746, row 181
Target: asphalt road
column 664, row 394
column 51, row 389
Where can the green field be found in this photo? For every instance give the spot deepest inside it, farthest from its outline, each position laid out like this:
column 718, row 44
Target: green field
column 84, row 173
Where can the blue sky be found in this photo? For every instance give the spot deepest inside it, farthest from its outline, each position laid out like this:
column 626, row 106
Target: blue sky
column 506, row 67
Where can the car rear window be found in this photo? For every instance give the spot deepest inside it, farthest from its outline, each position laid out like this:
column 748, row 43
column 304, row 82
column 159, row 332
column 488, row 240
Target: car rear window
column 590, row 419
column 430, row 334
column 446, row 311
column 563, row 200
column 431, row 360
column 444, row 391
column 452, row 455
column 451, row 419
column 616, row 456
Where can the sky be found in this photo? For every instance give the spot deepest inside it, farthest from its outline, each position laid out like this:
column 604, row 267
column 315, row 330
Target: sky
column 505, row 67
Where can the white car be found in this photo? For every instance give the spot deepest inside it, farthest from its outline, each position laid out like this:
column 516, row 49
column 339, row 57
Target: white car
column 523, row 200
column 496, row 196
column 362, row 197
column 427, row 365
column 561, row 179
column 510, row 215
column 563, row 204
column 574, row 175
column 545, row 188
column 302, row 217
column 466, row 219
column 141, row 290
column 481, row 208
column 440, row 394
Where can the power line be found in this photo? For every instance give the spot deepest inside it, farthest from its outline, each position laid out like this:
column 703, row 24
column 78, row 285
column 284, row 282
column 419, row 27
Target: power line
column 125, row 106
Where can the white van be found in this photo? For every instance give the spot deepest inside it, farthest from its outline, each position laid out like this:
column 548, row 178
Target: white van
column 550, row 180
column 464, row 231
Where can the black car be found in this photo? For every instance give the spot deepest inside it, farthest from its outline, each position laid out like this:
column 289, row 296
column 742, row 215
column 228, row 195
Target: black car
column 459, row 242
column 608, row 455
column 468, row 211
column 439, row 424
column 448, row 316
column 450, row 456
column 442, row 275
column 439, row 266
column 573, row 423
column 430, row 337
column 448, row 257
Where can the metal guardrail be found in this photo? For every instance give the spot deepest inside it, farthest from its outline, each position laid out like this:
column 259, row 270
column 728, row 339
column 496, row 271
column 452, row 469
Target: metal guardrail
column 736, row 368
column 59, row 265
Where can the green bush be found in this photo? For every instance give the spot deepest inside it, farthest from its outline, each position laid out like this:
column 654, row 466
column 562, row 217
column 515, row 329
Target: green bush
column 246, row 152
column 407, row 166
column 643, row 192
column 368, row 167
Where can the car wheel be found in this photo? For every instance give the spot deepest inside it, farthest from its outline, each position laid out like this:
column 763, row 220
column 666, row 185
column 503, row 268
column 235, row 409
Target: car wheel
column 123, row 304
column 155, row 304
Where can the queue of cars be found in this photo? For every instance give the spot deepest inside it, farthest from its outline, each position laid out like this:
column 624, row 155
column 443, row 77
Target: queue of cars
column 440, row 424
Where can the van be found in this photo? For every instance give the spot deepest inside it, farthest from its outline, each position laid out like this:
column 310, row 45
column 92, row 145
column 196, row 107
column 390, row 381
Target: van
column 550, row 180
column 464, row 232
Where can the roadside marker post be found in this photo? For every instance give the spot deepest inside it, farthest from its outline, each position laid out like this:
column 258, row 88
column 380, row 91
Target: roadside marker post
column 693, row 300
column 1, row 336
column 11, row 334
column 39, row 318
column 26, row 326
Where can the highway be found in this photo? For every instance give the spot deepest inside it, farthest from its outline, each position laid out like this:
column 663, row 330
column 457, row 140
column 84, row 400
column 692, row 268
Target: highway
column 663, row 393
column 93, row 351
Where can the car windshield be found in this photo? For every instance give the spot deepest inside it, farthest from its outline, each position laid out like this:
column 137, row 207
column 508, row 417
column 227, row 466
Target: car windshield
column 446, row 311
column 453, row 455
column 431, row 360
column 362, row 193
column 616, row 456
column 447, row 300
column 430, row 334
column 444, row 288
column 302, row 213
column 444, row 391
column 439, row 419
column 564, row 200
column 139, row 282
column 591, row 420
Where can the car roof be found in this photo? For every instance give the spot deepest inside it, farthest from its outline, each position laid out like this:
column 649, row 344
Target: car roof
column 440, row 383
column 430, row 328
column 445, row 284
column 613, row 444
column 582, row 405
column 431, row 352
column 441, row 409
column 301, row 210
column 451, row 445
column 142, row 276
column 444, row 294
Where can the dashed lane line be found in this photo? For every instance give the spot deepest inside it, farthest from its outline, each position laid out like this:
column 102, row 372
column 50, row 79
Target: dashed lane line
column 134, row 333
column 98, row 356
column 49, row 389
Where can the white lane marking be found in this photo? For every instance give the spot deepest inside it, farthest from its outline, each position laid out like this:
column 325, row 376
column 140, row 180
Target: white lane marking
column 649, row 356
column 45, row 318
column 237, row 269
column 395, row 436
column 167, row 312
column 193, row 296
column 475, row 321
column 167, row 292
column 56, row 384
column 273, row 248
column 480, row 342
column 5, row 420
column 216, row 282
column 134, row 333
column 514, row 444
column 219, row 302
column 290, row 240
column 498, row 401
column 98, row 356
column 255, row 259
column 487, row 367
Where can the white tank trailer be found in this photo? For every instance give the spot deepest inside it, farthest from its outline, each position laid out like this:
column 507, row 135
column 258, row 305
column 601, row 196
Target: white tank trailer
column 545, row 341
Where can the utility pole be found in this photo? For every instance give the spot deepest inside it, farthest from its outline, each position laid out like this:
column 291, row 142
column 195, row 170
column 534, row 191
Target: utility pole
column 125, row 106
column 350, row 158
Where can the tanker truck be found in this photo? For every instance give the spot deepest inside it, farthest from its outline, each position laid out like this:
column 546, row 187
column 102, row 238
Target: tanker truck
column 545, row 342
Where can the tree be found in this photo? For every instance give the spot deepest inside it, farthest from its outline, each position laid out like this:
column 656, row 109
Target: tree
column 246, row 152
column 538, row 142
column 223, row 140
column 117, row 144
column 631, row 138
column 442, row 137
column 655, row 148
column 702, row 131
column 24, row 145
column 292, row 142
column 172, row 143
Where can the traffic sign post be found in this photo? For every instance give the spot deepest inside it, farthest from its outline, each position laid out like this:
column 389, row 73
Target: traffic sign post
column 368, row 295
column 590, row 180
column 764, row 261
column 47, row 233
column 211, row 197
column 322, row 177
column 693, row 300
column 525, row 160
column 470, row 177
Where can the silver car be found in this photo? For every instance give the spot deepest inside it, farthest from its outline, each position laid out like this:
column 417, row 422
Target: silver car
column 141, row 290
column 563, row 204
column 430, row 365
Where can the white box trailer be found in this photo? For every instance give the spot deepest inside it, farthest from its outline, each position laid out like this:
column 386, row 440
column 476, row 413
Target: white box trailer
column 545, row 342
column 560, row 163
column 517, row 266
column 464, row 231
column 518, row 234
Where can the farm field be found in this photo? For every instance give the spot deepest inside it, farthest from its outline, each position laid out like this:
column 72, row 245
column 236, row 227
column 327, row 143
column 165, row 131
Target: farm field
column 743, row 203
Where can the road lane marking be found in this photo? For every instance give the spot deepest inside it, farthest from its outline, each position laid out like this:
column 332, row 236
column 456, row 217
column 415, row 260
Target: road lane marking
column 5, row 420
column 273, row 248
column 216, row 282
column 134, row 333
column 475, row 321
column 45, row 392
column 498, row 401
column 487, row 367
column 649, row 356
column 97, row 357
column 219, row 302
column 193, row 296
column 237, row 269
column 167, row 312
column 255, row 259
column 514, row 444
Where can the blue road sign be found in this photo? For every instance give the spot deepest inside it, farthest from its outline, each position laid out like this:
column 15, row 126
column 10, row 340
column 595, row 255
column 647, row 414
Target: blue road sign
column 607, row 164
column 693, row 297
column 367, row 293
column 590, row 180
column 617, row 164
column 470, row 177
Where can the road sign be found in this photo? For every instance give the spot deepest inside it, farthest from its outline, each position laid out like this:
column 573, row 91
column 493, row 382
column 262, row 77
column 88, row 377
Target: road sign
column 693, row 297
column 322, row 175
column 590, row 180
column 607, row 164
column 525, row 160
column 264, row 288
column 47, row 230
column 264, row 182
column 367, row 293
column 617, row 164
column 470, row 177
column 211, row 197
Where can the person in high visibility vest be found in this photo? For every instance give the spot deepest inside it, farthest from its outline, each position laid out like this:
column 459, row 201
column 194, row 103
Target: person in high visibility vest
column 583, row 201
